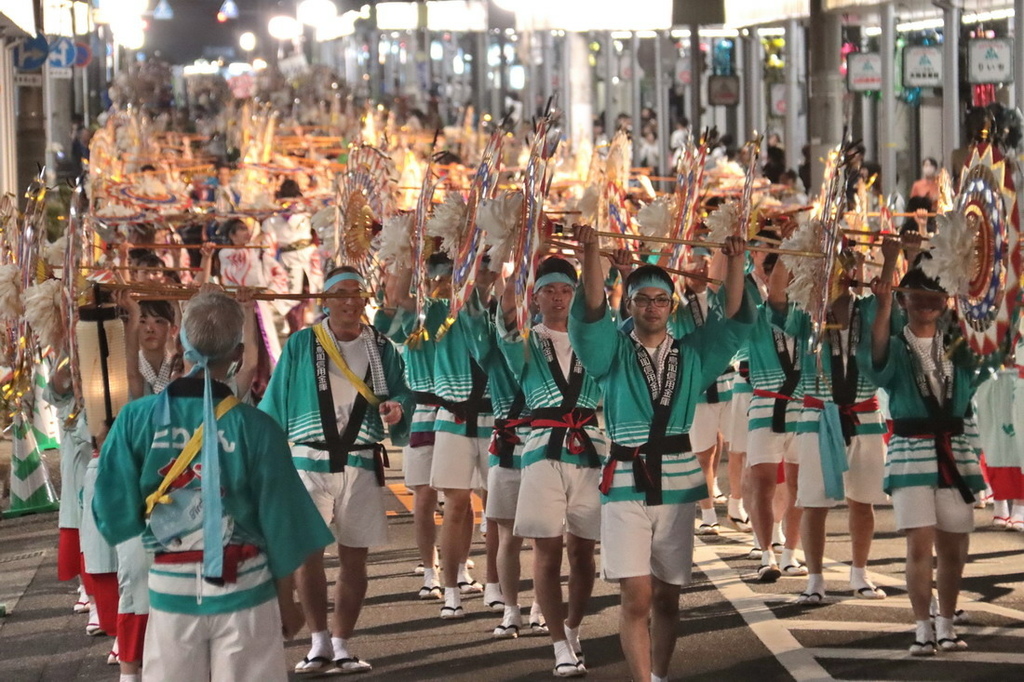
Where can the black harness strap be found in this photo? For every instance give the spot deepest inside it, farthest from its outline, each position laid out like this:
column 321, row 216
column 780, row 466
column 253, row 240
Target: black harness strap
column 337, row 445
column 791, row 369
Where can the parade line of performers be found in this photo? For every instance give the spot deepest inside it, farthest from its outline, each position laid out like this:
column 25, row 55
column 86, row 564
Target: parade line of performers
column 208, row 505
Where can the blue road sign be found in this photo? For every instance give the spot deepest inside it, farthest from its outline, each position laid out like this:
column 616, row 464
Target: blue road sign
column 31, row 53
column 62, row 53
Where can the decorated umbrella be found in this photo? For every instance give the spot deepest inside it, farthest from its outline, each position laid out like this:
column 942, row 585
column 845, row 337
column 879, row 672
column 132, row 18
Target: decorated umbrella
column 470, row 251
column 812, row 288
column 976, row 250
column 537, row 180
column 420, row 281
column 689, row 181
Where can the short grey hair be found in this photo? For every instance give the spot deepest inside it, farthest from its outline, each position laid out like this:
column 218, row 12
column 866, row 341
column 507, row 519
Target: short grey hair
column 213, row 323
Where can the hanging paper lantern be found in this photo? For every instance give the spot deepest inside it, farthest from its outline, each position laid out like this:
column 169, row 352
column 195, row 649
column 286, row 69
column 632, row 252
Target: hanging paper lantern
column 103, row 363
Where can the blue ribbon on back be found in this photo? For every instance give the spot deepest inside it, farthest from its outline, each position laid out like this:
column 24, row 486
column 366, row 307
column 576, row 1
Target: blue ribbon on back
column 832, row 447
column 213, row 511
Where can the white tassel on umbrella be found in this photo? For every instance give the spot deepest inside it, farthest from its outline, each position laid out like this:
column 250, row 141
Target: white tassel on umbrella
column 722, row 221
column 394, row 243
column 43, row 312
column 657, row 218
column 953, row 260
column 500, row 219
column 447, row 222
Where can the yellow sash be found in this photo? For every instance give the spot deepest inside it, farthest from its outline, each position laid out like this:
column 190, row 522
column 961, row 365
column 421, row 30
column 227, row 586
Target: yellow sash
column 327, row 342
column 183, row 461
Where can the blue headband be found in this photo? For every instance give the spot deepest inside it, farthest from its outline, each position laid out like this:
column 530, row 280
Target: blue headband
column 649, row 281
column 553, row 278
column 344, row 277
column 213, row 510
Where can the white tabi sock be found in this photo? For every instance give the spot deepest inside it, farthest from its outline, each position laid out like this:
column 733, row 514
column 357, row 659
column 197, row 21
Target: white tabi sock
column 944, row 628
column 130, row 677
column 429, row 577
column 321, row 645
column 658, row 678
column 452, row 597
column 778, row 538
column 462, row 575
column 859, row 579
column 788, row 557
column 340, row 645
column 736, row 509
column 768, row 558
column 709, row 516
column 564, row 653
column 572, row 636
column 925, row 632
column 815, row 583
column 1001, row 509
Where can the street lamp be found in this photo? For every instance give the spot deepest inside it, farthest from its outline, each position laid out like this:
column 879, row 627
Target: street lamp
column 313, row 12
column 247, row 41
column 284, row 28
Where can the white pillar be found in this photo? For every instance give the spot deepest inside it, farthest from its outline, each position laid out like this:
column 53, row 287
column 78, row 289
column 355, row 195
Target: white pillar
column 579, row 101
column 951, row 69
column 887, row 116
column 792, row 138
column 8, row 139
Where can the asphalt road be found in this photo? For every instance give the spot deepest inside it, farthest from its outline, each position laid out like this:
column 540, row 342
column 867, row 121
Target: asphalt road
column 731, row 628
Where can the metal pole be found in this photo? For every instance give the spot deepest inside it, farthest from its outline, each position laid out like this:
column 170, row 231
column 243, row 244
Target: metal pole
column 661, row 106
column 951, row 95
column 611, row 73
column 754, row 77
column 887, row 116
column 51, row 164
column 634, row 56
column 547, row 55
column 791, row 137
column 696, row 67
column 480, row 72
column 566, row 96
column 1018, row 53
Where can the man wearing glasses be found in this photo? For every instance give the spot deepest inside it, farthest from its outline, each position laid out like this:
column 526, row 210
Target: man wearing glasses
column 651, row 384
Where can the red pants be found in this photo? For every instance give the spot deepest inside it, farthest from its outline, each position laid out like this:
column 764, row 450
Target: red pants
column 69, row 555
column 102, row 587
column 131, row 634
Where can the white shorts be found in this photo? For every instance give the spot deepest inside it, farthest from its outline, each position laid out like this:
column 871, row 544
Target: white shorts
column 708, row 421
column 922, row 506
column 638, row 540
column 764, row 446
column 241, row 645
column 862, row 481
column 351, row 503
column 557, row 498
column 736, row 434
column 502, row 492
column 416, row 465
column 460, row 462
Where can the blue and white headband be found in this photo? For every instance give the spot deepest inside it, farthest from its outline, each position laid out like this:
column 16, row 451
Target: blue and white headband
column 649, row 281
column 344, row 277
column 553, row 278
